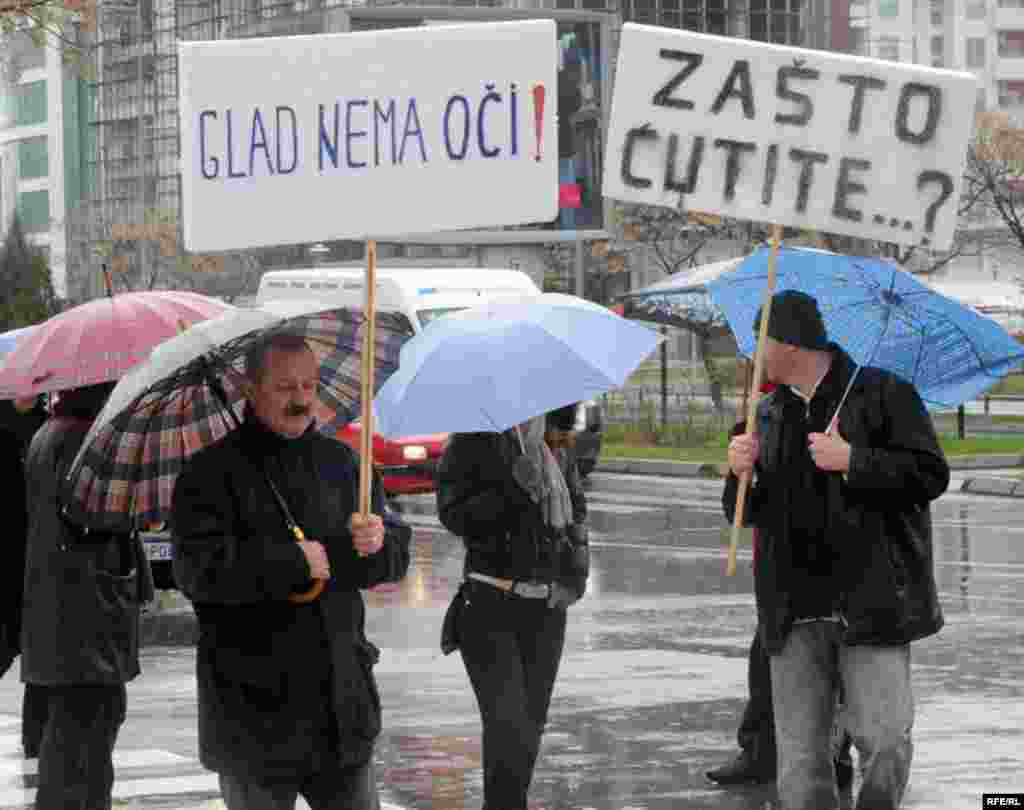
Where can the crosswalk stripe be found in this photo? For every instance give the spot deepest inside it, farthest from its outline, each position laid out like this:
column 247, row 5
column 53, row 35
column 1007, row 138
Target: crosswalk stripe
column 138, row 774
column 122, row 760
column 205, row 783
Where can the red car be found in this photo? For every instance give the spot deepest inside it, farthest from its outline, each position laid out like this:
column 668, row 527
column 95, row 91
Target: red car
column 407, row 465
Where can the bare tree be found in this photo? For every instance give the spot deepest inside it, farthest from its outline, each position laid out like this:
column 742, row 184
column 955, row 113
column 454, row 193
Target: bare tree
column 53, row 23
column 995, row 175
column 149, row 255
column 677, row 239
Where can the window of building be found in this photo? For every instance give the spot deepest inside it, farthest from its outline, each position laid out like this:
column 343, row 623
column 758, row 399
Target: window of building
column 26, row 54
column 976, row 9
column 34, row 211
column 858, row 42
column 579, row 121
column 33, row 158
column 888, row 8
column 888, row 48
column 30, row 104
column 1011, row 43
column 1011, row 3
column 975, row 52
column 1011, row 93
column 644, row 11
column 779, row 21
column 938, row 12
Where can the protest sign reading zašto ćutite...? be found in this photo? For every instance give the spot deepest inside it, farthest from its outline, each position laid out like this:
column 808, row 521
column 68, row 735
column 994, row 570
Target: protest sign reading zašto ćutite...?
column 369, row 134
column 789, row 136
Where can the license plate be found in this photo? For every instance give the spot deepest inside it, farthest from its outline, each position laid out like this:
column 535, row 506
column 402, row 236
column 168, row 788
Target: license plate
column 158, row 551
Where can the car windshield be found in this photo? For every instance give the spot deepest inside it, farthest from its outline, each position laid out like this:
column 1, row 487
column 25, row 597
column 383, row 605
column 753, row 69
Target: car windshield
column 428, row 315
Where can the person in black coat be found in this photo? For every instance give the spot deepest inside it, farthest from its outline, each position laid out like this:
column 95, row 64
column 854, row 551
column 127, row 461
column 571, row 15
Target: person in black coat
column 288, row 704
column 80, row 631
column 19, row 420
column 845, row 463
column 520, row 515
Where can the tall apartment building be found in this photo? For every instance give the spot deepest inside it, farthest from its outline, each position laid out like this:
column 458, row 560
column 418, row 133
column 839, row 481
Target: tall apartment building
column 43, row 137
column 984, row 37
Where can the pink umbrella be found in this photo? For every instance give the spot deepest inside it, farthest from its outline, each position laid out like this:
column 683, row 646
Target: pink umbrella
column 100, row 341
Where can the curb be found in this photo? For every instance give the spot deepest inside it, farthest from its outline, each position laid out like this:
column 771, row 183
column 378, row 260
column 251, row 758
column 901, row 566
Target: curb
column 169, row 627
column 676, row 469
column 1001, row 487
column 686, row 469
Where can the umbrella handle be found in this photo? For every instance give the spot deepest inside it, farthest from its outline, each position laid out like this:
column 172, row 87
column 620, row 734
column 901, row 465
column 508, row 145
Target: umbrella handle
column 318, row 584
column 308, row 596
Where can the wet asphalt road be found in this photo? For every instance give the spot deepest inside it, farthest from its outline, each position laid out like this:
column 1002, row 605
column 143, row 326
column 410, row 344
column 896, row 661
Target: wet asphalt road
column 654, row 676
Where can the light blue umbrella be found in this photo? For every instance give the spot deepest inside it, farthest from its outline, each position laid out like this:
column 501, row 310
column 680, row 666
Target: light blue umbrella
column 882, row 316
column 8, row 340
column 497, row 365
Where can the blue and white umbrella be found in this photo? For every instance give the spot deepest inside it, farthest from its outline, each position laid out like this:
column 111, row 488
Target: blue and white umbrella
column 494, row 366
column 882, row 316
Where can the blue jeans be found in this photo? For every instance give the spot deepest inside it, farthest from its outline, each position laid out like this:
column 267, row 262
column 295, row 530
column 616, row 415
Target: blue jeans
column 878, row 714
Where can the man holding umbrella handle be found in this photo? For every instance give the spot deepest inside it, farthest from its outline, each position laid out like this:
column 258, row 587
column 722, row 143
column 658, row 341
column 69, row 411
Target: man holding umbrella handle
column 288, row 704
column 844, row 574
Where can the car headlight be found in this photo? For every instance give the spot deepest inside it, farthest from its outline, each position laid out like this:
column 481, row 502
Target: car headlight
column 414, row 452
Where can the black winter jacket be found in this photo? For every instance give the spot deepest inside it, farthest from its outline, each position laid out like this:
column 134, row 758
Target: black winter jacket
column 284, row 689
column 16, row 431
column 501, row 526
column 83, row 591
column 878, row 518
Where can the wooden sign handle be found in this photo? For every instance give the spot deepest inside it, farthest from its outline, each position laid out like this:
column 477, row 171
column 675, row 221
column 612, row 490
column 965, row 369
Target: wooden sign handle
column 755, row 395
column 366, row 400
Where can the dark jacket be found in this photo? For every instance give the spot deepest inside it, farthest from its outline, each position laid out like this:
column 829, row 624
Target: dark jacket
column 501, row 526
column 83, row 591
column 16, row 430
column 284, row 689
column 877, row 520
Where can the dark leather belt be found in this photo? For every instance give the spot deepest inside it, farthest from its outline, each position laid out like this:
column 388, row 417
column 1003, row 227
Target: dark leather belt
column 527, row 590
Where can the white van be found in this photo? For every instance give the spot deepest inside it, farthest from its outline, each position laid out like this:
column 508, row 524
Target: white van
column 420, row 294
column 406, row 464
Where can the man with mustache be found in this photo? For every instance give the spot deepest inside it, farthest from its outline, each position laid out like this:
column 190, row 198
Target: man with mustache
column 287, row 699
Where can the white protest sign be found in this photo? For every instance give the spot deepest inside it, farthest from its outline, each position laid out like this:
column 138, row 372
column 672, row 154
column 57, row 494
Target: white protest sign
column 788, row 136
column 370, row 134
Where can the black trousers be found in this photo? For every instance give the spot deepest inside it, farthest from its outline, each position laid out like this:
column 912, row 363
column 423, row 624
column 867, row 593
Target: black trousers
column 353, row 788
column 511, row 648
column 76, row 765
column 756, row 733
column 33, row 719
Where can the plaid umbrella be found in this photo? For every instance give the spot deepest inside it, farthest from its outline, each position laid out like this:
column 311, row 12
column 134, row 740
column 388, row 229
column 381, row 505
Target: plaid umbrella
column 189, row 394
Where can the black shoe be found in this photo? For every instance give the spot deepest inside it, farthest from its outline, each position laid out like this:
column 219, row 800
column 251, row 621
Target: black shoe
column 742, row 771
column 844, row 773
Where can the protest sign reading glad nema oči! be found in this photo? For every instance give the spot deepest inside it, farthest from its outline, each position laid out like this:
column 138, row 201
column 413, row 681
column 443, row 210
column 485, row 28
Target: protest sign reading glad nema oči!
column 370, row 134
column 788, row 136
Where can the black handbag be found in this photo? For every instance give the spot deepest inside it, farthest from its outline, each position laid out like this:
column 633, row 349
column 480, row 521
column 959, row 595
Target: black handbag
column 450, row 625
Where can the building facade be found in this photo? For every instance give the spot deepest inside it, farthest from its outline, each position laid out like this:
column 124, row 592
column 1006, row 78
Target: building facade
column 43, row 141
column 983, row 37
